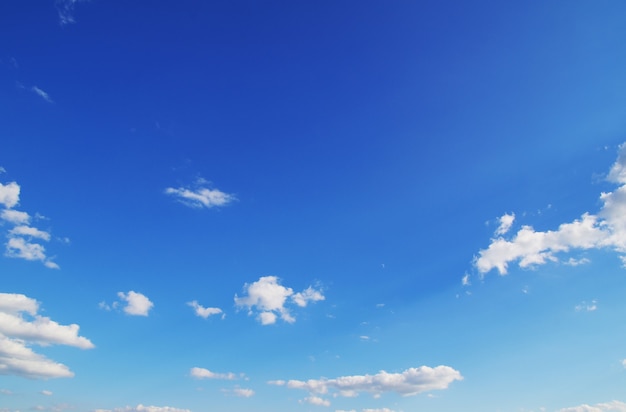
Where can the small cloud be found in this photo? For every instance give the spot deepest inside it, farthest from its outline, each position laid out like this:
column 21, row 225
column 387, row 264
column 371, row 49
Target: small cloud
column 41, row 94
column 465, row 280
column 316, row 400
column 137, row 304
column 15, row 216
column 202, row 311
column 2, row 170
column 202, row 373
column 506, row 221
column 5, row 392
column 45, row 392
column 624, row 363
column 364, row 337
column 239, row 392
column 380, row 305
column 587, row 307
column 576, row 262
column 613, row 406
column 308, row 295
column 199, row 196
column 9, row 194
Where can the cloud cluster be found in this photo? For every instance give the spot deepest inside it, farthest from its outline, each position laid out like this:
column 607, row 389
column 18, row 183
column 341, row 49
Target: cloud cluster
column 200, row 195
column 528, row 247
column 20, row 326
column 613, row 406
column 23, row 240
column 268, row 298
column 408, row 383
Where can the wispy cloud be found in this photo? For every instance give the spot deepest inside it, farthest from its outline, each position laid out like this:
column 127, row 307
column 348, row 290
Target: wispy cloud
column 528, row 247
column 17, row 333
column 315, row 400
column 202, row 373
column 587, row 307
column 39, row 92
column 408, row 383
column 239, row 392
column 268, row 299
column 65, row 9
column 200, row 195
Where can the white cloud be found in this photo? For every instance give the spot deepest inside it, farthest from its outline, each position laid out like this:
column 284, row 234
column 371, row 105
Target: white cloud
column 506, row 221
column 528, row 247
column 343, row 410
column 202, row 373
column 587, row 307
column 577, row 262
column 307, row 295
column 624, row 363
column 378, row 410
column 41, row 94
column 613, row 406
column 137, row 304
column 202, row 311
column 18, row 247
column 268, row 297
column 16, row 332
column 240, row 392
column 29, row 231
column 316, row 400
column 9, row 194
column 45, row 392
column 200, row 196
column 20, row 244
column 465, row 280
column 15, row 216
column 141, row 408
column 410, row 382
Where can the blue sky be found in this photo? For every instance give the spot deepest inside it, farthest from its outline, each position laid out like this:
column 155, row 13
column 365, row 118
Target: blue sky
column 312, row 206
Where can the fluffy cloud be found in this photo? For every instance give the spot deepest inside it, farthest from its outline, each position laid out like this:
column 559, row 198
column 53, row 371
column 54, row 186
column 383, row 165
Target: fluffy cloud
column 141, row 408
column 137, row 304
column 202, row 311
column 587, row 307
column 200, row 195
column 268, row 297
column 16, row 331
column 9, row 194
column 201, row 373
column 614, row 406
column 14, row 216
column 410, row 382
column 21, row 237
column 528, row 247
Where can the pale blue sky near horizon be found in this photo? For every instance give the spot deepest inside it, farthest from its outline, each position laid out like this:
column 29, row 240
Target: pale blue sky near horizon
column 312, row 206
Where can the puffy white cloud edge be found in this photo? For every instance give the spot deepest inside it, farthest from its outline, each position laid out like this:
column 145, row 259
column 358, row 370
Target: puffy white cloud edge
column 21, row 326
column 408, row 383
column 268, row 299
column 528, row 247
